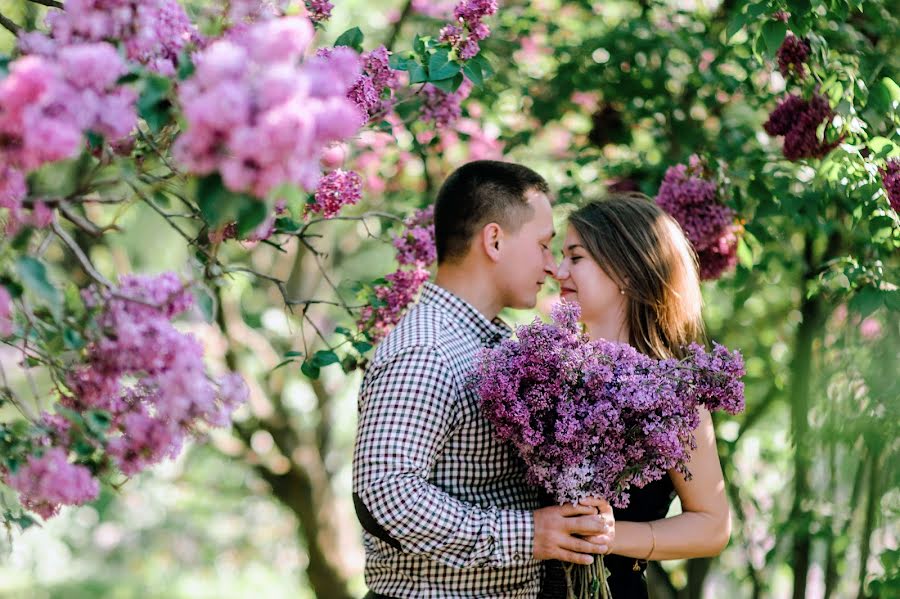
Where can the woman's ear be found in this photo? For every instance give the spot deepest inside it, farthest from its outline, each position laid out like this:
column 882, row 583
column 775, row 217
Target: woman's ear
column 492, row 240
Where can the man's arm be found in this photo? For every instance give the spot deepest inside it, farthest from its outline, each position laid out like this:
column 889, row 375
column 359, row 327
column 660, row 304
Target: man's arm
column 408, row 410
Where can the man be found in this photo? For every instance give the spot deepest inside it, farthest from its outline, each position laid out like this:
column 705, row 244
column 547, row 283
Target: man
column 445, row 506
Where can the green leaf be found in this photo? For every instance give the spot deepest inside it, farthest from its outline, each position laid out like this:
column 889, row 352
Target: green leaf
column 251, row 213
column 866, row 301
column 882, row 147
column 282, row 363
column 362, row 346
column 153, row 104
column 33, row 274
column 4, row 64
column 186, row 66
column 419, row 44
column 440, row 66
column 417, row 73
column 293, row 354
column 342, row 331
column 20, row 241
column 773, row 33
column 97, row 422
column 449, row 85
column 745, row 256
column 892, row 299
column 325, row 357
column 472, row 70
column 73, row 339
column 487, row 71
column 310, row 370
column 215, row 201
column 352, row 38
column 349, row 363
column 206, row 301
column 885, row 96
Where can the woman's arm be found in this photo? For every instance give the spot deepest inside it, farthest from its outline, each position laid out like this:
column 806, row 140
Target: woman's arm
column 704, row 527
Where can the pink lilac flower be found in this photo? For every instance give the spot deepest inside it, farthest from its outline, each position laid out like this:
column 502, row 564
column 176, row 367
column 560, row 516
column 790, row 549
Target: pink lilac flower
column 337, row 189
column 259, row 116
column 781, row 15
column 47, row 103
column 691, row 196
column 890, row 177
column 416, row 245
column 146, row 373
column 443, row 108
column 6, row 307
column 792, row 55
column 393, row 297
column 595, row 418
column 153, row 32
column 437, row 9
column 368, row 88
column 798, row 119
column 45, row 483
column 468, row 29
column 319, row 10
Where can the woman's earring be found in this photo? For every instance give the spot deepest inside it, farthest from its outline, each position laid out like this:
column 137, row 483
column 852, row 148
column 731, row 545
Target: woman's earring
column 621, row 291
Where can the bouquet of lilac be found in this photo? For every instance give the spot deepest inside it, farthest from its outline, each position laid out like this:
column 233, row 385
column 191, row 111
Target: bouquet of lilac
column 593, row 418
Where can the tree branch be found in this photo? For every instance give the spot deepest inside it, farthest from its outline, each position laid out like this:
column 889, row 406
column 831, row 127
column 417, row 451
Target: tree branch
column 50, row 3
column 9, row 25
column 395, row 31
column 79, row 255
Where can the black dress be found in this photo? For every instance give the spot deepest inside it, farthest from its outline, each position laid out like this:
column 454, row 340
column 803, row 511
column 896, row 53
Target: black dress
column 650, row 503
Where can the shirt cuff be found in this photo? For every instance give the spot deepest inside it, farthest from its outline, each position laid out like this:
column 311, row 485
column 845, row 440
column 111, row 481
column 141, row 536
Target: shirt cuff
column 516, row 537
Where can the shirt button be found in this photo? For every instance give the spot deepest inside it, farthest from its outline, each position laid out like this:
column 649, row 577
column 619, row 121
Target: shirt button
column 517, row 556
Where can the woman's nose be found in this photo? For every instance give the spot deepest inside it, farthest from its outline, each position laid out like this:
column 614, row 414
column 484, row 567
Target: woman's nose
column 562, row 271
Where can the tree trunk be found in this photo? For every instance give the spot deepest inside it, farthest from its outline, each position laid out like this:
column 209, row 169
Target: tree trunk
column 811, row 313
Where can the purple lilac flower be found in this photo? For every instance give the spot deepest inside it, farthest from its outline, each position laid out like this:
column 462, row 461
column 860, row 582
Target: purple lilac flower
column 594, row 418
column 890, row 175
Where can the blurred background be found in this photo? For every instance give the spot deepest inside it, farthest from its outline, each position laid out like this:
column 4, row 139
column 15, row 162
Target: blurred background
column 593, row 95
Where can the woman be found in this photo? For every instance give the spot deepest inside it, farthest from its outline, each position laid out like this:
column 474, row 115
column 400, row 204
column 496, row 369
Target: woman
column 632, row 271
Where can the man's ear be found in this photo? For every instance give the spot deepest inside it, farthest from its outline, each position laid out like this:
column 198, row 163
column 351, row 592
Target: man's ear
column 492, row 240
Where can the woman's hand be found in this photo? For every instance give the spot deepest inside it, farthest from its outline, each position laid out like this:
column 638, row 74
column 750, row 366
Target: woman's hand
column 604, row 511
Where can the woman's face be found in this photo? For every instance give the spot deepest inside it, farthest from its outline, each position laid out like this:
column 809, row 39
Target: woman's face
column 582, row 280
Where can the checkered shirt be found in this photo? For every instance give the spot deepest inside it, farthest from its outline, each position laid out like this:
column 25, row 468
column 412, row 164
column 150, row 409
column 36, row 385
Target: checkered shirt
column 427, row 468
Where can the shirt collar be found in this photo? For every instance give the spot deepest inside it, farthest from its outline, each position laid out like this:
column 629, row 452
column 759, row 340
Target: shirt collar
column 489, row 332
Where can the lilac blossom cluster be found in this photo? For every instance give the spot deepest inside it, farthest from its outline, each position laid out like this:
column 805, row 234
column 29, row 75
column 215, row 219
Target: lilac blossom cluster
column 890, row 176
column 468, row 29
column 258, row 115
column 319, row 10
column 47, row 104
column 146, row 375
column 337, row 189
column 415, row 245
column 792, row 55
column 691, row 196
column 153, row 32
column 391, row 299
column 798, row 119
column 595, row 418
column 441, row 107
column 377, row 75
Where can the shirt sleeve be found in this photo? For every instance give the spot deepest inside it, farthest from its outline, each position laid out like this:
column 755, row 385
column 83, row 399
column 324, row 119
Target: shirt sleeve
column 408, row 407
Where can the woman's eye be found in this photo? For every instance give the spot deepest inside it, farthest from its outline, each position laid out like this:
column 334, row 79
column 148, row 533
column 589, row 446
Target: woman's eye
column 575, row 259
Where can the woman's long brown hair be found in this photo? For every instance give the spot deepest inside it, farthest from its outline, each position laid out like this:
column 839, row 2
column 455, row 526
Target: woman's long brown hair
column 646, row 253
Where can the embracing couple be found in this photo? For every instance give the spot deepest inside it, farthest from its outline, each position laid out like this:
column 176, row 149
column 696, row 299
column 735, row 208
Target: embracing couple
column 445, row 507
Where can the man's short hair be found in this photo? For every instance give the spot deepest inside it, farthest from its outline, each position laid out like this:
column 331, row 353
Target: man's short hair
column 478, row 193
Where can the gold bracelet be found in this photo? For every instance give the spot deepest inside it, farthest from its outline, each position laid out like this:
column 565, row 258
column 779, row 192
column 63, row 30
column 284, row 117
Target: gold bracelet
column 637, row 562
column 652, row 547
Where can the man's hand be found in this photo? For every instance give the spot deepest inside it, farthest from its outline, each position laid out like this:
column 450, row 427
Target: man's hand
column 559, row 532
